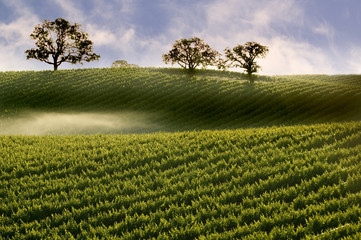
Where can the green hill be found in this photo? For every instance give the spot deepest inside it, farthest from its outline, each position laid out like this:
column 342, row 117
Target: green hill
column 234, row 177
column 174, row 101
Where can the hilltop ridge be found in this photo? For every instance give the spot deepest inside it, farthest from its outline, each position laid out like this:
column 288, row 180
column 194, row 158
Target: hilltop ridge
column 176, row 101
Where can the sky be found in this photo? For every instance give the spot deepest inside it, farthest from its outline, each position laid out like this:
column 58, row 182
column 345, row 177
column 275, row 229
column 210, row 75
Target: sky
column 303, row 36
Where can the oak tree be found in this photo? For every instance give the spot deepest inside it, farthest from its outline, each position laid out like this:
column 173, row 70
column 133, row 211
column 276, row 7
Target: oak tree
column 59, row 41
column 191, row 53
column 123, row 64
column 244, row 56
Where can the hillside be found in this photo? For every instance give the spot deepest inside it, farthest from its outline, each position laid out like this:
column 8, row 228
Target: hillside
column 170, row 100
column 265, row 183
column 234, row 177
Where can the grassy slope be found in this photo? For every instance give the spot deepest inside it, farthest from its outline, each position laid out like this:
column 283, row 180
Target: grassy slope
column 209, row 100
column 273, row 183
column 264, row 183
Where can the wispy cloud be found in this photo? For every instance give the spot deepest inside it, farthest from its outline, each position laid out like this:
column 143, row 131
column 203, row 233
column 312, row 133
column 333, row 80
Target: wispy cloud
column 112, row 9
column 14, row 38
column 120, row 30
column 273, row 23
column 71, row 11
column 102, row 36
column 250, row 17
column 288, row 56
column 230, row 22
column 324, row 29
column 119, row 39
column 353, row 61
column 16, row 33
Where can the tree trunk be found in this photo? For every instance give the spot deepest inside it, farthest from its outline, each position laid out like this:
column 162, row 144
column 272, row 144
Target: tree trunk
column 250, row 78
column 55, row 58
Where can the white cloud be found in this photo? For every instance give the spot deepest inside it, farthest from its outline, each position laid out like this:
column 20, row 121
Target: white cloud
column 277, row 12
column 73, row 14
column 121, row 39
column 15, row 36
column 17, row 32
column 111, row 35
column 228, row 23
column 127, row 36
column 280, row 24
column 288, row 56
column 18, row 6
column 101, row 36
column 327, row 31
column 15, row 39
column 353, row 62
column 259, row 16
column 233, row 22
column 324, row 29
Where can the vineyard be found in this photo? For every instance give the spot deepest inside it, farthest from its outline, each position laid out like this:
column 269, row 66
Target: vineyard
column 271, row 183
column 174, row 101
column 207, row 156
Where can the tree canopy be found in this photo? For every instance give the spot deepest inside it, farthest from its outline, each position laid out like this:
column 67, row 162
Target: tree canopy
column 123, row 63
column 191, row 53
column 61, row 41
column 244, row 56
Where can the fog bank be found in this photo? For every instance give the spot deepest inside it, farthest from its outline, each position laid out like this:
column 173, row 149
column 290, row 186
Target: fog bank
column 60, row 123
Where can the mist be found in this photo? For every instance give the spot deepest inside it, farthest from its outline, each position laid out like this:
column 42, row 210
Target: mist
column 62, row 123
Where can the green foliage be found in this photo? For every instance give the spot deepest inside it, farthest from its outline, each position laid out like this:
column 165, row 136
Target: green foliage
column 244, row 56
column 191, row 53
column 62, row 42
column 122, row 63
column 208, row 100
column 299, row 182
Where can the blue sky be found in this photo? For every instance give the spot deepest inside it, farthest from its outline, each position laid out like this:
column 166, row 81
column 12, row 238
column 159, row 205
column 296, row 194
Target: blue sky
column 304, row 36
